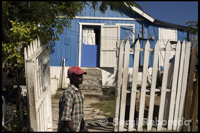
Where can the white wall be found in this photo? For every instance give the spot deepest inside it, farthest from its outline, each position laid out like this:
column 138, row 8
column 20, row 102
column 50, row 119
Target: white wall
column 109, row 74
column 108, row 77
column 55, row 76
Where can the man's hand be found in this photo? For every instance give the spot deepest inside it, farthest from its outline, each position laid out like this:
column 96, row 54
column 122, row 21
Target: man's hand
column 70, row 126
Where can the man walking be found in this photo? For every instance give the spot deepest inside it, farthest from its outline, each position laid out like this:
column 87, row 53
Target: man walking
column 71, row 115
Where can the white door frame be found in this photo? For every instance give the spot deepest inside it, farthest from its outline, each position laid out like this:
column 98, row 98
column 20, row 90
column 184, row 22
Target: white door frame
column 80, row 37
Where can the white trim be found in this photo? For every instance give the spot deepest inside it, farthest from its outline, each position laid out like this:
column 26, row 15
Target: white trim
column 106, row 18
column 131, row 52
column 98, row 24
column 141, row 13
column 80, row 38
column 80, row 46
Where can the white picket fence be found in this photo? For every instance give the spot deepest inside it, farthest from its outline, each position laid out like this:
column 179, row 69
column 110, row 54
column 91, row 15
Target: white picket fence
column 172, row 94
column 37, row 69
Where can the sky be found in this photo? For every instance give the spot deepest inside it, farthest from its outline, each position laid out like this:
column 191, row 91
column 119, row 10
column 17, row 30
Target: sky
column 176, row 12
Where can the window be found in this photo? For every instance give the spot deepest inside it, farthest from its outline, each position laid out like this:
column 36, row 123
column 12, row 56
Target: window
column 91, row 36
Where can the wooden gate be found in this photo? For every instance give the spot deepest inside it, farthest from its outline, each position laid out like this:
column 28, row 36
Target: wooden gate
column 172, row 95
column 37, row 69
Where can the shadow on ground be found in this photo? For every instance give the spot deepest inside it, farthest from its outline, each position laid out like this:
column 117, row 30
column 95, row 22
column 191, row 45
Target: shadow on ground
column 97, row 126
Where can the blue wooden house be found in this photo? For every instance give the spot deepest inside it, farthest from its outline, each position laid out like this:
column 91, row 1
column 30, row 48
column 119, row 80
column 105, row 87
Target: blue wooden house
column 91, row 42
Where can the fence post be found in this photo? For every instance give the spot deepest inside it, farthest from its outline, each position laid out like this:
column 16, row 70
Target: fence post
column 195, row 109
column 118, row 87
column 30, row 87
column 188, row 99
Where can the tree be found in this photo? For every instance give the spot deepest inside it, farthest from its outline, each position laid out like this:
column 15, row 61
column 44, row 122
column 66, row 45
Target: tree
column 24, row 21
column 192, row 28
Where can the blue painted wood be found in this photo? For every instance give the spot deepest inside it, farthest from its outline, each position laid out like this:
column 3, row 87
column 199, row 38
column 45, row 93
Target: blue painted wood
column 68, row 45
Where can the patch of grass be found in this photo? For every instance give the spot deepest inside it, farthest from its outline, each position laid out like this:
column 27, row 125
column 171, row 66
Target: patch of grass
column 57, row 96
column 92, row 96
column 107, row 103
column 106, row 106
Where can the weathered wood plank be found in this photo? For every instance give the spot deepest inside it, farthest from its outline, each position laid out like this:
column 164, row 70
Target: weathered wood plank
column 153, row 87
column 134, row 87
column 190, row 87
column 124, row 86
column 144, row 83
column 174, row 85
column 164, row 87
column 31, row 99
column 195, row 109
column 184, row 83
column 118, row 87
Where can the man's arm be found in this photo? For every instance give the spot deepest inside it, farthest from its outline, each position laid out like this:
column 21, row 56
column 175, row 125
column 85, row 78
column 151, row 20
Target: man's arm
column 69, row 125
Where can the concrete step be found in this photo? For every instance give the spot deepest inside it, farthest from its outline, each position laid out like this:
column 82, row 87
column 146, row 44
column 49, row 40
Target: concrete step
column 92, row 81
column 92, row 92
column 92, row 71
column 92, row 77
column 91, row 87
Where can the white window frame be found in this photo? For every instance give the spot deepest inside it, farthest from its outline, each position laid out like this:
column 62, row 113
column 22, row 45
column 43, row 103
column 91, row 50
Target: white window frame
column 120, row 24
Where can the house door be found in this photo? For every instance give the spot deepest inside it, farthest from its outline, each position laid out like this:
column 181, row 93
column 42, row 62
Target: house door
column 110, row 35
column 90, row 46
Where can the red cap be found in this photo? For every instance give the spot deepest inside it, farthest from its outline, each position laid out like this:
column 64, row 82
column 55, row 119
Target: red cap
column 75, row 70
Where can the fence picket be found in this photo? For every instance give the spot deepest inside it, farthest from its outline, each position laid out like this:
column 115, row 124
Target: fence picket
column 28, row 51
column 34, row 46
column 153, row 86
column 143, row 89
column 164, row 88
column 134, row 87
column 25, row 54
column 118, row 87
column 38, row 44
column 179, row 86
column 124, row 86
column 174, row 85
column 31, row 48
column 184, row 86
